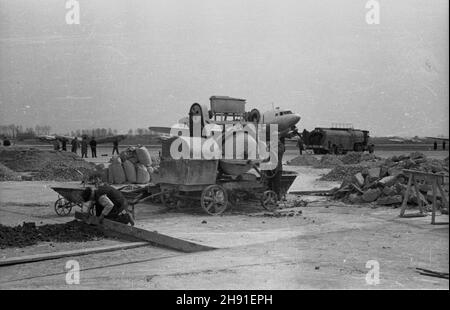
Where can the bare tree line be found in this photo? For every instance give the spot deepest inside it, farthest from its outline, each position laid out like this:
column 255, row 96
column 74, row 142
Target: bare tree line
column 13, row 131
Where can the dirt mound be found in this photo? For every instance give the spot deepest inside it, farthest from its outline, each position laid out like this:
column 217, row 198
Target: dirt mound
column 328, row 161
column 303, row 160
column 29, row 234
column 358, row 157
column 341, row 172
column 7, row 174
column 46, row 165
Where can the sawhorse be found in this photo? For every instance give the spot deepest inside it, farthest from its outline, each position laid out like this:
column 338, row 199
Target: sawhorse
column 435, row 180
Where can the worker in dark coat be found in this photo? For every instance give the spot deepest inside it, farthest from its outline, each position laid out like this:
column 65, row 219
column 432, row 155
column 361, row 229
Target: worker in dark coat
column 115, row 146
column 300, row 145
column 93, row 145
column 84, row 147
column 64, row 144
column 75, row 145
column 275, row 181
column 109, row 203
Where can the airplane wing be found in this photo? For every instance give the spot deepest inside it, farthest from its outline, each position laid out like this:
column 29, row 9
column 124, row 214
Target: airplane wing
column 438, row 138
column 110, row 139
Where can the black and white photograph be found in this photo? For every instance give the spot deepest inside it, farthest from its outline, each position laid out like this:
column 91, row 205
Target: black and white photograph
column 224, row 150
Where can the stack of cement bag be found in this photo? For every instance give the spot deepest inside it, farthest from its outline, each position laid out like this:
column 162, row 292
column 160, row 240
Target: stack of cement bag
column 134, row 165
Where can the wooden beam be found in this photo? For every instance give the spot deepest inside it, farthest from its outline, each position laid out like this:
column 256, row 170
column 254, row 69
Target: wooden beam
column 55, row 255
column 150, row 236
column 312, row 193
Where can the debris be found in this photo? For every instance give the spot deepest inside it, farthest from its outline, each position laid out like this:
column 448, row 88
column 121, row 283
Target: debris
column 371, row 195
column 388, row 181
column 390, row 200
column 384, row 183
column 359, row 179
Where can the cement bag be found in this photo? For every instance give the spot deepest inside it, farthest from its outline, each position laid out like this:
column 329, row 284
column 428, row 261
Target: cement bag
column 117, row 170
column 143, row 156
column 130, row 171
column 142, row 176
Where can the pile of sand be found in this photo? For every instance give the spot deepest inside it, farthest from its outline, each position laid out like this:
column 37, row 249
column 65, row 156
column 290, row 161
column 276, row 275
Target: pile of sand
column 46, row 165
column 29, row 234
column 7, row 174
column 328, row 161
column 358, row 157
column 342, row 171
column 303, row 160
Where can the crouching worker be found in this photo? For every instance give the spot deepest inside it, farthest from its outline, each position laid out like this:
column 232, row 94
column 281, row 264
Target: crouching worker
column 108, row 203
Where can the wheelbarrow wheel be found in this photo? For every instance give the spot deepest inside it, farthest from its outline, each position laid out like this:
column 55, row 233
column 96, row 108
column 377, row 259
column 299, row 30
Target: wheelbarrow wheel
column 63, row 207
column 269, row 200
column 214, row 199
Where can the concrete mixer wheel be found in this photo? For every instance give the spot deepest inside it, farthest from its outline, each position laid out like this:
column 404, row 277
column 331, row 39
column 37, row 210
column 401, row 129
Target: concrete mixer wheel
column 269, row 200
column 214, row 199
column 196, row 109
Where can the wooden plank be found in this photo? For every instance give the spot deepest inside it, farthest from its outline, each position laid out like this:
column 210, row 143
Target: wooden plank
column 316, row 192
column 150, row 236
column 55, row 255
column 405, row 199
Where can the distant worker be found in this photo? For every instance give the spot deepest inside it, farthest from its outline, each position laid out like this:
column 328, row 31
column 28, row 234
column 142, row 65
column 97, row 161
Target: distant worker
column 108, row 203
column 84, row 147
column 56, row 145
column 300, row 145
column 116, row 146
column 93, row 145
column 371, row 148
column 64, row 144
column 75, row 145
column 275, row 181
column 435, row 145
column 443, row 145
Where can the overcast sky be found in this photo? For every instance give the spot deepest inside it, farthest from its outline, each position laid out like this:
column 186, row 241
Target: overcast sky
column 137, row 63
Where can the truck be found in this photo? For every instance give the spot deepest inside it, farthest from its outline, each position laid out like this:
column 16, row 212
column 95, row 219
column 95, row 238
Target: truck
column 336, row 140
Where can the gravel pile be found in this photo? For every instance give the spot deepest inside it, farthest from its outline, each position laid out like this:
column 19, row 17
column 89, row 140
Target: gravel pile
column 7, row 174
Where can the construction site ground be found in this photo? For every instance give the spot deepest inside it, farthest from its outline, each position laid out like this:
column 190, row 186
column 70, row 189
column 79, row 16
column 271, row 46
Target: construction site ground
column 326, row 246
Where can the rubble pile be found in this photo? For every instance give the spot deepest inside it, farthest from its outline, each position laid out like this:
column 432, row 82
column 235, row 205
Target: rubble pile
column 29, row 234
column 385, row 183
column 48, row 165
